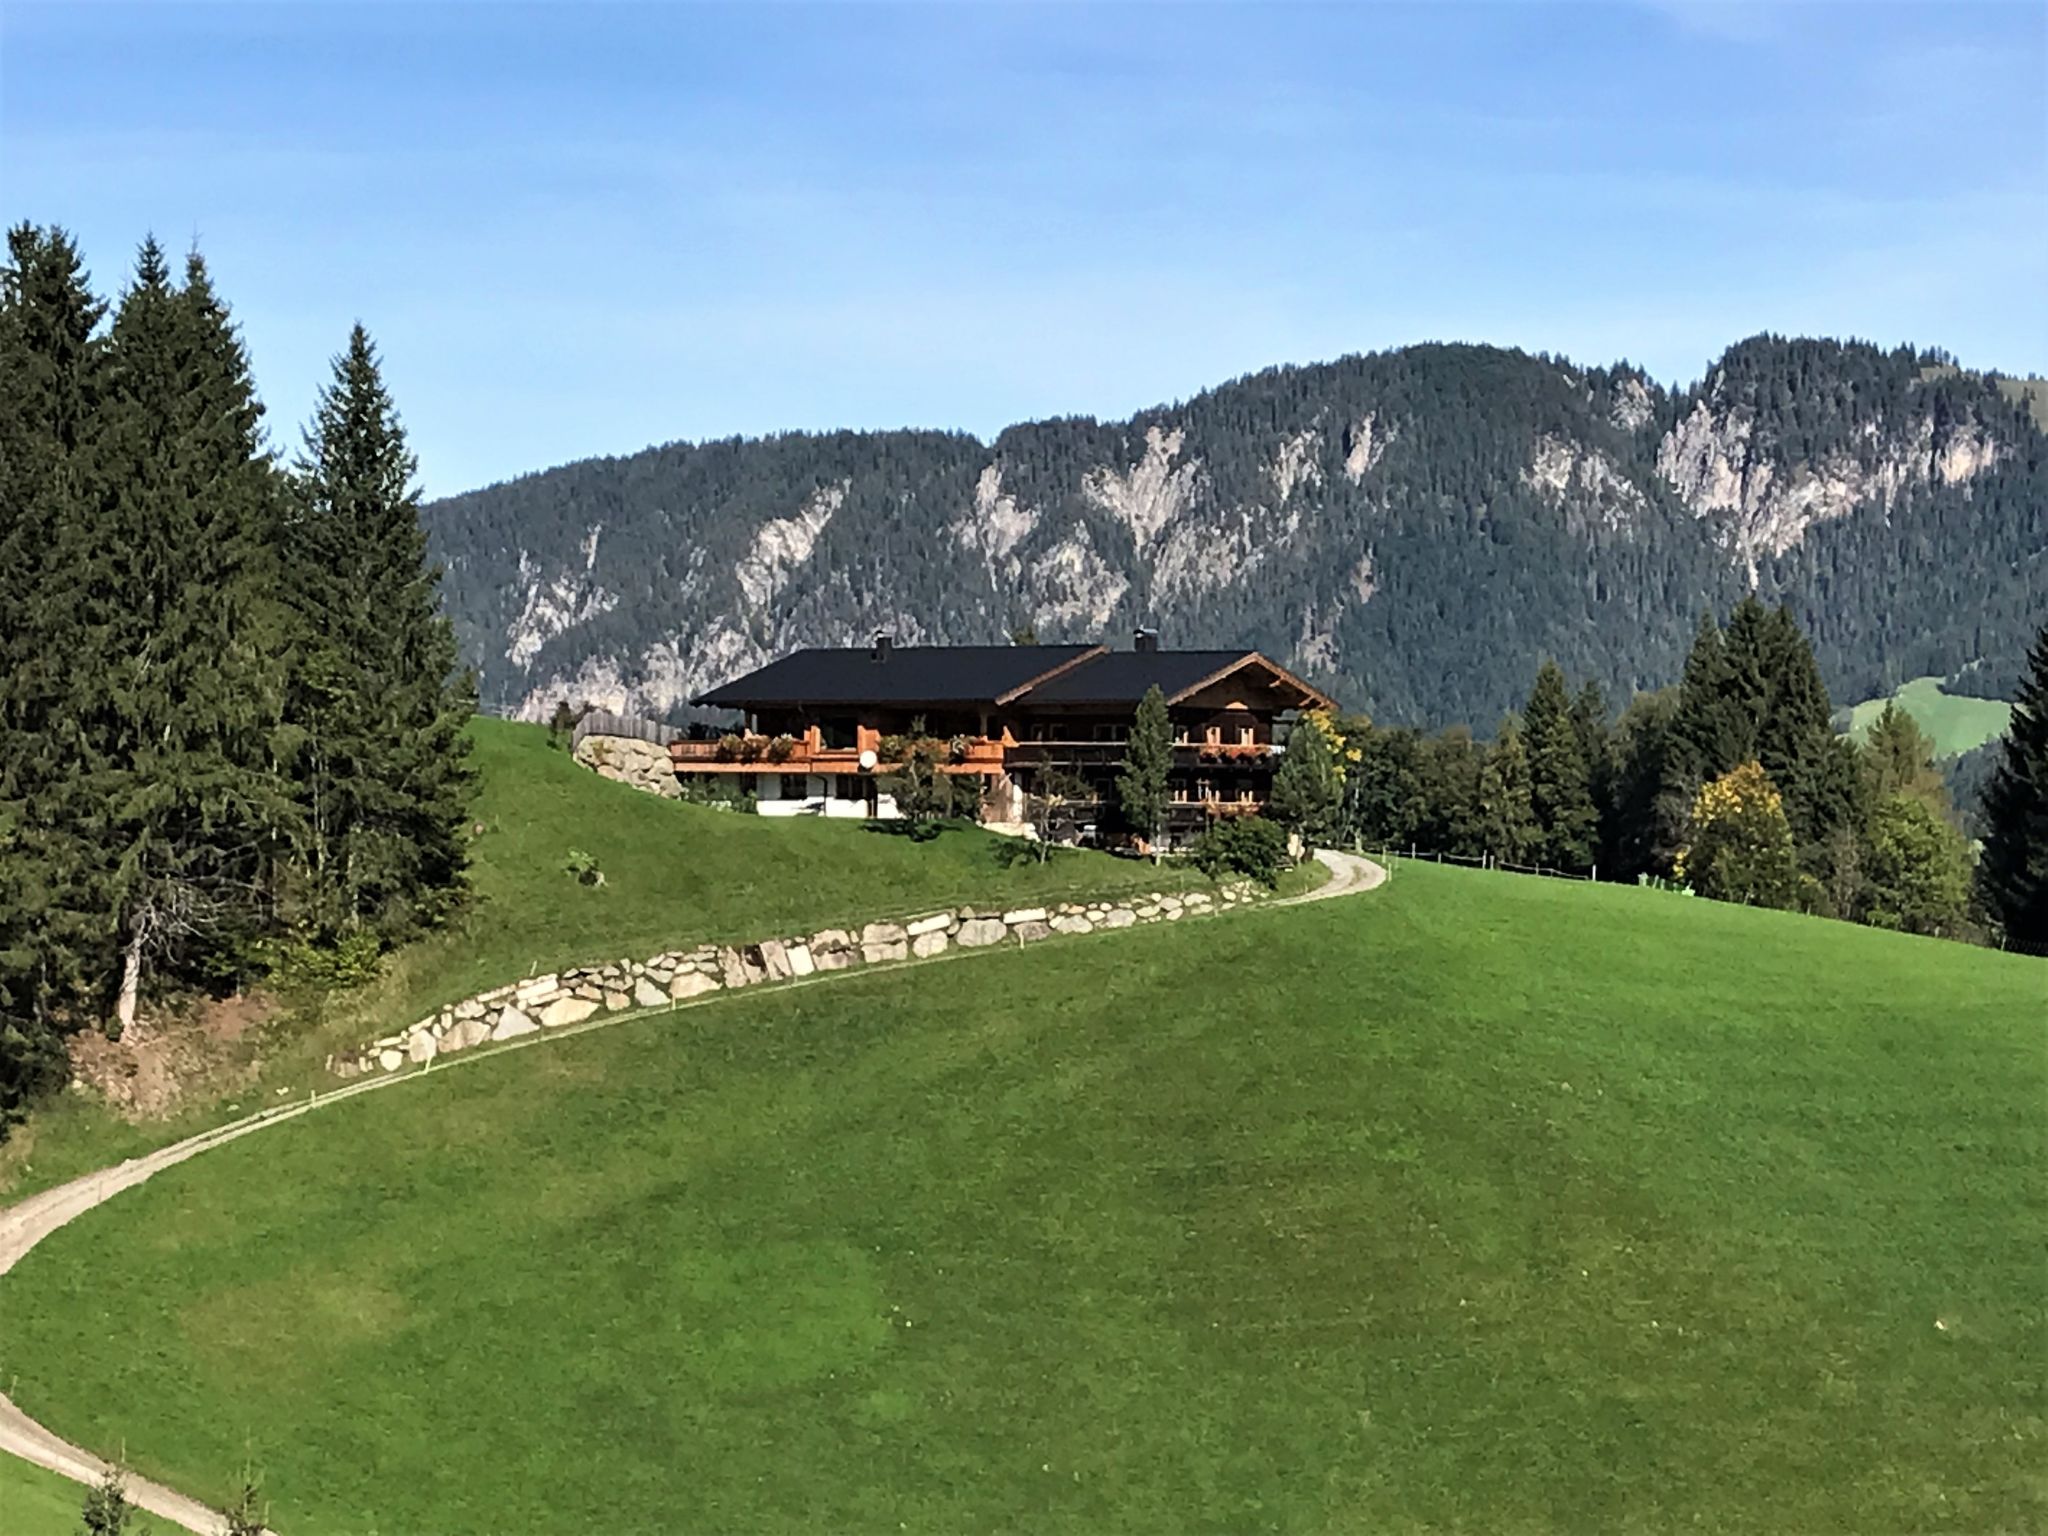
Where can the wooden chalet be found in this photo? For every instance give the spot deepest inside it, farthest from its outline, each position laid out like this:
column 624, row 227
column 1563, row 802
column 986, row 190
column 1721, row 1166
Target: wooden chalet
column 817, row 722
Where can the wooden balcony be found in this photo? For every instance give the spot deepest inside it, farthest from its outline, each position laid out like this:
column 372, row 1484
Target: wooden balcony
column 809, row 754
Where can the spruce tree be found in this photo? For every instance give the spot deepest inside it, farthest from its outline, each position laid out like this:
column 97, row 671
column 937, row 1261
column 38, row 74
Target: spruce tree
column 52, row 937
column 1793, row 729
column 1507, row 819
column 2013, row 875
column 1705, row 740
column 1305, row 785
column 1142, row 783
column 177, row 680
column 383, row 779
column 1900, row 761
column 1560, row 784
column 106, row 1510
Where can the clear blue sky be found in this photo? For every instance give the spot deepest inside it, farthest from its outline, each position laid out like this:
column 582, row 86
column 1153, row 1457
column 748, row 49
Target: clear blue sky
column 579, row 230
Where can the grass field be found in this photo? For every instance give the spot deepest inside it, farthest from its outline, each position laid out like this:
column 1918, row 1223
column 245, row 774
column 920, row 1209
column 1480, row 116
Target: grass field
column 674, row 873
column 38, row 1503
column 1955, row 723
column 1480, row 1203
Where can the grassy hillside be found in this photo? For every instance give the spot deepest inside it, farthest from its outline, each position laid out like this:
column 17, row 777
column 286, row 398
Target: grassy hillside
column 1955, row 723
column 673, row 873
column 38, row 1503
column 1480, row 1203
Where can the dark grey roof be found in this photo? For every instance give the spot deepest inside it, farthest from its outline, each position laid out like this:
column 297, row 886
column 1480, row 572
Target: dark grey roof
column 910, row 674
column 1121, row 677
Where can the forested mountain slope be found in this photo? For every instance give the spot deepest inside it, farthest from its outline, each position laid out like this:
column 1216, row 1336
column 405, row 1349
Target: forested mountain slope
column 1415, row 528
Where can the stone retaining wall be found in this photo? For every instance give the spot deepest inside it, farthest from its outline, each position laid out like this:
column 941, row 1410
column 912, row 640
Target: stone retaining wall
column 572, row 996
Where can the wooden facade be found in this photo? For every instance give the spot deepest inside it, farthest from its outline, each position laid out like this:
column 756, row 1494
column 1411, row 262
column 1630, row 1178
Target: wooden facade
column 816, row 747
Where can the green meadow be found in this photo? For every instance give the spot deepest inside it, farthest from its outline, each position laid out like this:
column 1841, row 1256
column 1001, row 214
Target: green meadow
column 674, row 874
column 1478, row 1203
column 1955, row 723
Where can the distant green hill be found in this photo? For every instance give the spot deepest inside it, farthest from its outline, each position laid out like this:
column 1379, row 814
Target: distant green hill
column 1481, row 1203
column 1956, row 723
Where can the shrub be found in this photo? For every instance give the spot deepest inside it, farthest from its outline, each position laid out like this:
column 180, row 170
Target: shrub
column 583, row 867
column 304, row 966
column 1244, row 845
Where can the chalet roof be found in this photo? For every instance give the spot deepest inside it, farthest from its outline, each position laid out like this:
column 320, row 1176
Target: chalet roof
column 968, row 676
column 1121, row 677
column 906, row 674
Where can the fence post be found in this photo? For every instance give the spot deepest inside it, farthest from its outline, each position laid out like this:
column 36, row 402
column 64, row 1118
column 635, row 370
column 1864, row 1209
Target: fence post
column 1595, row 876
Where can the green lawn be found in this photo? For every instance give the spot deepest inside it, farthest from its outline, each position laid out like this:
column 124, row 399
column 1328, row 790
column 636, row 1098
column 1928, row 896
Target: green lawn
column 1955, row 723
column 674, row 874
column 1479, row 1203
column 38, row 1503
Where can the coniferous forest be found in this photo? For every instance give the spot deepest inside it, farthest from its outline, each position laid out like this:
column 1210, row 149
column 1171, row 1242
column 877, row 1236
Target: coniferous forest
column 230, row 709
column 1731, row 782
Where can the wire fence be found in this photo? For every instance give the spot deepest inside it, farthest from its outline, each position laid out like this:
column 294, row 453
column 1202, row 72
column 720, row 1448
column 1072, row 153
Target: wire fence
column 1419, row 855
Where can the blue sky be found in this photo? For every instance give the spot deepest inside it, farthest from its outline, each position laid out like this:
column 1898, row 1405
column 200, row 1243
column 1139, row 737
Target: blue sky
column 582, row 229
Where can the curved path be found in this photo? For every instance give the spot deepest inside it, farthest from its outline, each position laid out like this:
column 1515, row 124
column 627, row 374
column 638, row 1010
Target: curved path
column 24, row 1225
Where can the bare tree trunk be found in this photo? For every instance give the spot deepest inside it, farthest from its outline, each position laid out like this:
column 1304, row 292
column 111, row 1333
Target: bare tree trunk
column 131, row 977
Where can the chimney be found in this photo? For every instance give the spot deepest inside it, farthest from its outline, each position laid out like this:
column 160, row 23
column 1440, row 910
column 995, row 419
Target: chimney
column 1145, row 640
column 879, row 650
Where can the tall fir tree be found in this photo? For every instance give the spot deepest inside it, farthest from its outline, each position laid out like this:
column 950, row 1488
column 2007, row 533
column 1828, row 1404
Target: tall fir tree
column 1507, row 818
column 1560, row 783
column 177, row 682
column 52, row 936
column 1306, row 786
column 1900, row 761
column 1645, row 824
column 378, row 703
column 1704, row 740
column 1142, row 783
column 1793, row 729
column 2013, row 874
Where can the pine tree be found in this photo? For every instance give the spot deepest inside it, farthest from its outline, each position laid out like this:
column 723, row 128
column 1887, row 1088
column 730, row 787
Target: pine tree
column 1793, row 729
column 177, row 679
column 1705, row 740
column 1507, row 818
column 382, row 768
column 106, row 1510
column 1141, row 785
column 1900, row 760
column 1305, row 785
column 1560, row 784
column 52, row 937
column 1749, row 645
column 2013, row 874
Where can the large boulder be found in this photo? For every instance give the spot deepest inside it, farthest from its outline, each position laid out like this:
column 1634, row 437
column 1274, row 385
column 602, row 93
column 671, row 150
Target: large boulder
column 980, row 932
column 692, row 984
column 567, row 1010
column 512, row 1023
column 648, row 994
column 928, row 943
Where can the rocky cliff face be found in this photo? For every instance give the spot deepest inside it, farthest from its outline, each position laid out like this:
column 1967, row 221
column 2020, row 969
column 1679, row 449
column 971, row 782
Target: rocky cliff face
column 1415, row 528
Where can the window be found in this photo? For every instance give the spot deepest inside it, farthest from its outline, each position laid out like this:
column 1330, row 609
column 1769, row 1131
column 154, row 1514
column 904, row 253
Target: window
column 794, row 786
column 1180, row 733
column 840, row 734
column 847, row 786
column 1247, row 735
column 1214, row 735
column 1205, row 789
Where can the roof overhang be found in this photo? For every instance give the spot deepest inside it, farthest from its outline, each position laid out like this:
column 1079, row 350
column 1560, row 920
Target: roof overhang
column 1310, row 697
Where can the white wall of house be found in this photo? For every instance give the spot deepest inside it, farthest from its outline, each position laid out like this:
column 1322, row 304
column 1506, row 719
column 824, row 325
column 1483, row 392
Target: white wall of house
column 772, row 798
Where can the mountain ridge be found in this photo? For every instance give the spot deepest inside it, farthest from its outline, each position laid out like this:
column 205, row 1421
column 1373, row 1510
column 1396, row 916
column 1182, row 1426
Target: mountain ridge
column 1414, row 527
